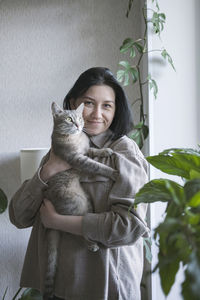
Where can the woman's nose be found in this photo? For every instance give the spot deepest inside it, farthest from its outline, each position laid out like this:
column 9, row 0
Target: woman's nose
column 96, row 112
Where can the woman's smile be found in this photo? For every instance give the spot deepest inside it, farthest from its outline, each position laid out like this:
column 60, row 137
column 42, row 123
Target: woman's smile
column 99, row 110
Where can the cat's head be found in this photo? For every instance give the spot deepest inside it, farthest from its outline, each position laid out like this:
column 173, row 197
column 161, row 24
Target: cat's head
column 67, row 121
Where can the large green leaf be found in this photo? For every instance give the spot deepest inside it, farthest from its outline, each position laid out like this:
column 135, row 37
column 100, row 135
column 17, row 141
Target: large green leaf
column 195, row 200
column 139, row 133
column 130, row 3
column 3, row 201
column 167, row 275
column 194, row 174
column 145, row 131
column 139, row 46
column 177, row 162
column 162, row 190
column 166, row 55
column 136, row 135
column 127, row 44
column 134, row 74
column 127, row 73
column 192, row 192
column 125, row 64
column 168, row 165
column 131, row 45
column 157, row 6
column 172, row 151
column 191, row 188
column 31, row 294
column 158, row 20
column 173, row 248
column 191, row 284
column 147, row 245
column 153, row 85
column 163, row 230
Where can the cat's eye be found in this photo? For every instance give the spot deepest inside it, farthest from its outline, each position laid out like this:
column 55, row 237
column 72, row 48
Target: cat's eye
column 68, row 119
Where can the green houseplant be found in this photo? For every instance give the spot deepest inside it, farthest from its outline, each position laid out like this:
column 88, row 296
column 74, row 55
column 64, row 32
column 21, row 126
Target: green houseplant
column 134, row 51
column 178, row 236
column 26, row 294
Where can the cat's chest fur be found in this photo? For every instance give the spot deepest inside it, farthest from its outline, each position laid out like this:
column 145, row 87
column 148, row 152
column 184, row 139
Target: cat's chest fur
column 78, row 143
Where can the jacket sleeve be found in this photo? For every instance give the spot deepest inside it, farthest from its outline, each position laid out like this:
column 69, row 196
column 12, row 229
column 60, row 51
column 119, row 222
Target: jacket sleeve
column 26, row 202
column 122, row 224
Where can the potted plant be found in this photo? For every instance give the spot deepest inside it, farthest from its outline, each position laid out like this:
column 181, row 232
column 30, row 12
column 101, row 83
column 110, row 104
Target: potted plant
column 178, row 235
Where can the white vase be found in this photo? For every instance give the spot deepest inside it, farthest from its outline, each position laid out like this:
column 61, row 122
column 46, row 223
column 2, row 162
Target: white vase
column 30, row 159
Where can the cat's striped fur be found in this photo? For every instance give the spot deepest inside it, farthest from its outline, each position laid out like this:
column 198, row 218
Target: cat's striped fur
column 70, row 143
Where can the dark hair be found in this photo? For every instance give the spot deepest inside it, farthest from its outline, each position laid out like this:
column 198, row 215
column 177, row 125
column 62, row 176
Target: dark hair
column 122, row 122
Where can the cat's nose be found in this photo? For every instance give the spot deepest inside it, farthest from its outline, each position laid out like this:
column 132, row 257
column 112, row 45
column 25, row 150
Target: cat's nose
column 78, row 126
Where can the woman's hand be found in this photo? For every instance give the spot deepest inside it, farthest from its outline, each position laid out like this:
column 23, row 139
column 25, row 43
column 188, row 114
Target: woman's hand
column 48, row 214
column 53, row 166
column 51, row 219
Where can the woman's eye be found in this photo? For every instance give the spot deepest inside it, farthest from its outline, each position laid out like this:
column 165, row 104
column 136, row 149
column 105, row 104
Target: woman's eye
column 107, row 105
column 69, row 119
column 88, row 103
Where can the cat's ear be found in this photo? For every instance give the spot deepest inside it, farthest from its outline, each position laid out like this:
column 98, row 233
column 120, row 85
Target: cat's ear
column 56, row 109
column 80, row 108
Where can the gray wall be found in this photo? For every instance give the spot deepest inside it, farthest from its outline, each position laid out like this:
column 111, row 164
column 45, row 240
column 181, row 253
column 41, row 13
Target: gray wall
column 45, row 45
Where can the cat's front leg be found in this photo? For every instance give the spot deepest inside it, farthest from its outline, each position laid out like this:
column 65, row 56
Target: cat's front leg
column 105, row 152
column 93, row 247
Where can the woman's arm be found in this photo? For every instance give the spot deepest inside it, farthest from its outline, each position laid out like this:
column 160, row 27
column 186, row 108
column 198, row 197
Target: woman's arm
column 53, row 166
column 122, row 224
column 51, row 219
column 26, row 202
column 119, row 226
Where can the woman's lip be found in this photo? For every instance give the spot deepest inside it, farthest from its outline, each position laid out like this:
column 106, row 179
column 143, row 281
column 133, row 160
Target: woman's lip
column 95, row 122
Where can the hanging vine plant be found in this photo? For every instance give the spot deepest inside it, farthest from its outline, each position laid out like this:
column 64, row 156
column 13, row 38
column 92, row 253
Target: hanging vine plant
column 131, row 74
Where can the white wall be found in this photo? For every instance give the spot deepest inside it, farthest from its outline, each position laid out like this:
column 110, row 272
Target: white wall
column 174, row 116
column 45, row 45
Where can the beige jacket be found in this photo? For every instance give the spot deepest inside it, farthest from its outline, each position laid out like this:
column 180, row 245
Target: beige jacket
column 112, row 273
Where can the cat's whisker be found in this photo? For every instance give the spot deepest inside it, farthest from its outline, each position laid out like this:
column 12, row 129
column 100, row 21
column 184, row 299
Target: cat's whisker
column 85, row 130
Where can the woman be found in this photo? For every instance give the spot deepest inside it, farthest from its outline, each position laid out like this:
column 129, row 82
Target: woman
column 114, row 272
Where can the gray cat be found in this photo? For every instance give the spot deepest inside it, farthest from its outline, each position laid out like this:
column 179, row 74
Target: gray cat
column 70, row 143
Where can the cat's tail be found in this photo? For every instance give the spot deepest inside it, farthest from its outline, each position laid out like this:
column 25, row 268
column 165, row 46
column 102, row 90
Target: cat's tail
column 53, row 237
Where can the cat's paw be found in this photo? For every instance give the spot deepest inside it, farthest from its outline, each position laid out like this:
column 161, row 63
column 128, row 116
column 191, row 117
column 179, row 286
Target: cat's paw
column 93, row 247
column 106, row 152
column 114, row 175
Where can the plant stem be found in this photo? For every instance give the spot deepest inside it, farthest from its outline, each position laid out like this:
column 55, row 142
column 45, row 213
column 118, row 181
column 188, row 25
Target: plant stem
column 142, row 118
column 141, row 96
column 143, row 83
column 5, row 293
column 16, row 293
column 153, row 51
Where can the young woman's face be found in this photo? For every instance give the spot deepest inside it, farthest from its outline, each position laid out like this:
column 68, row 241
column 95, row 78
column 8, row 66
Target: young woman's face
column 99, row 110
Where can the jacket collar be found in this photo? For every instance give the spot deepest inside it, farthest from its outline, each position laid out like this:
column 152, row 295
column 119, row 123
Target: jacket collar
column 101, row 140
